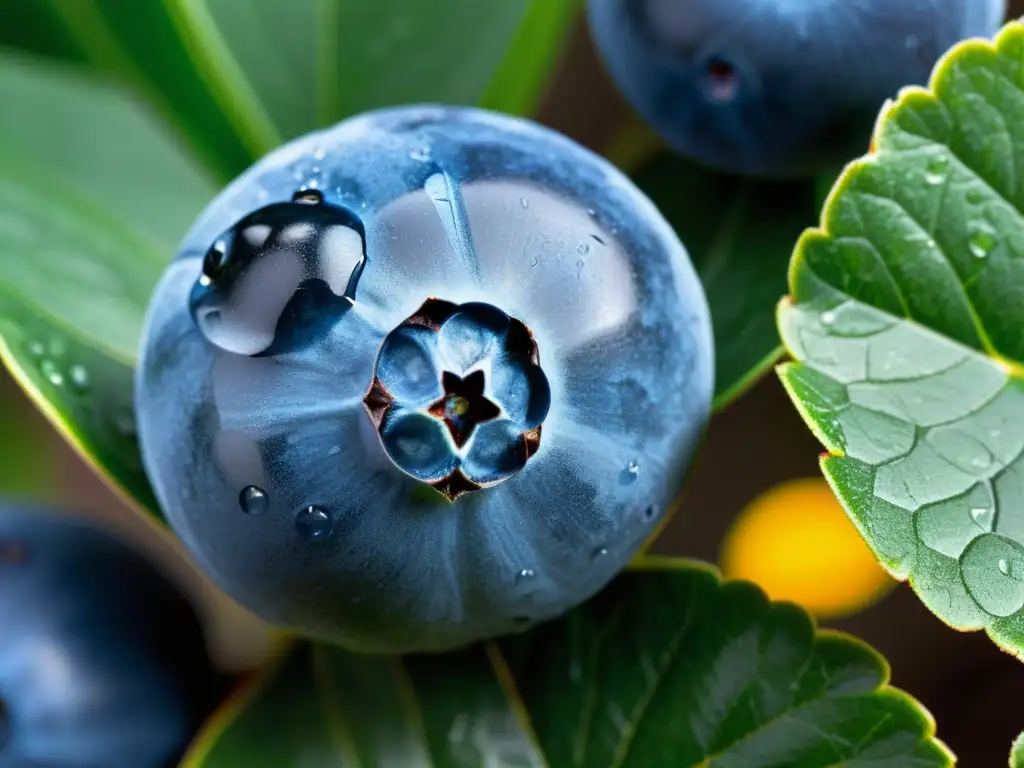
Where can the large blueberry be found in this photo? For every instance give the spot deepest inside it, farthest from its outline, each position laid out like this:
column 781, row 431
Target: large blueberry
column 102, row 661
column 776, row 87
column 429, row 376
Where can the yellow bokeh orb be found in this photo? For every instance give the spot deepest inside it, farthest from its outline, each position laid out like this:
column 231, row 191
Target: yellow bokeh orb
column 796, row 542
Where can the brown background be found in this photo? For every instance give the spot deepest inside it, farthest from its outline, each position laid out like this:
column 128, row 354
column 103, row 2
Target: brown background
column 973, row 689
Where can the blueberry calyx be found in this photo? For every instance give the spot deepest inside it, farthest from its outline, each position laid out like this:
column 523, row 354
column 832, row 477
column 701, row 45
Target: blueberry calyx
column 458, row 396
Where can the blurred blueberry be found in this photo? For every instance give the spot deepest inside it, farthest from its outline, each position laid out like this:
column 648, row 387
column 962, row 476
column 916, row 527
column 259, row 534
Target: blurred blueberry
column 102, row 661
column 428, row 342
column 776, row 87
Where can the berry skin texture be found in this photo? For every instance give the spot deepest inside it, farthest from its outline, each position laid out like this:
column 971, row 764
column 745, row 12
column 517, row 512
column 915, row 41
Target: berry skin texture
column 429, row 376
column 102, row 661
column 776, row 87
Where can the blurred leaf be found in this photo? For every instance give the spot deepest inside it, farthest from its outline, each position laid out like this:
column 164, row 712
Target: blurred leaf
column 519, row 82
column 667, row 667
column 1017, row 754
column 26, row 460
column 906, row 315
column 93, row 198
column 739, row 233
column 138, row 44
column 280, row 68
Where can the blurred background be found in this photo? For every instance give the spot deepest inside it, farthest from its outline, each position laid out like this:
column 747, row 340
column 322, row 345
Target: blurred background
column 758, row 443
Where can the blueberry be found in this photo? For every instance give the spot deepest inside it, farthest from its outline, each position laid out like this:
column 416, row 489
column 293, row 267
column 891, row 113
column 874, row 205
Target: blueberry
column 773, row 87
column 421, row 350
column 102, row 661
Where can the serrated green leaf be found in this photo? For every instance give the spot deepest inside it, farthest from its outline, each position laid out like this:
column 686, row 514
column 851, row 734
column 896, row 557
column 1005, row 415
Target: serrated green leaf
column 1017, row 753
column 280, row 69
column 906, row 315
column 322, row 707
column 739, row 233
column 93, row 197
column 667, row 667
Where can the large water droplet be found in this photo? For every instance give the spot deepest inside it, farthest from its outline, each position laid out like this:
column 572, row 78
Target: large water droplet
column 313, row 523
column 282, row 275
column 989, row 568
column 253, row 501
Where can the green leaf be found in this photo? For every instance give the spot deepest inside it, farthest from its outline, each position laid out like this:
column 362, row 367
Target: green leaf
column 280, row 68
column 739, row 232
column 27, row 468
column 1017, row 753
column 137, row 44
column 667, row 667
column 906, row 317
column 93, row 198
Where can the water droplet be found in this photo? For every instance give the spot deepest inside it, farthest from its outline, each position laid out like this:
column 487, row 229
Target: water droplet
column 583, row 249
column 524, row 202
column 978, row 514
column 630, row 473
column 982, row 240
column 599, row 553
column 975, row 196
column 35, row 348
column 911, row 42
column 420, row 154
column 313, row 523
column 650, row 512
column 253, row 501
column 79, row 377
column 282, row 274
column 534, row 261
column 828, row 318
column 525, row 574
column 937, row 169
column 988, row 568
column 51, row 372
column 319, row 154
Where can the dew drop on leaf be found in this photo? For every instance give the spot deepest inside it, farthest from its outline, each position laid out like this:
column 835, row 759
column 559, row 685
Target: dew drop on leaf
column 988, row 568
column 937, row 169
column 51, row 372
column 982, row 240
column 79, row 378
